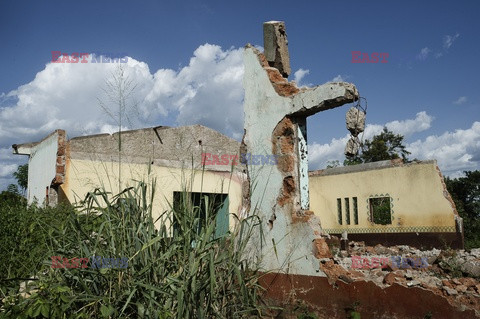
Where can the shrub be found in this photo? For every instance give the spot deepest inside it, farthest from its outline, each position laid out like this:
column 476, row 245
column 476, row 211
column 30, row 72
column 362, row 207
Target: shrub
column 192, row 274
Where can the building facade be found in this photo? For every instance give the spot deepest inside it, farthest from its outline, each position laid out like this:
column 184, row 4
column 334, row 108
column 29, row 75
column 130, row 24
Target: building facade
column 387, row 202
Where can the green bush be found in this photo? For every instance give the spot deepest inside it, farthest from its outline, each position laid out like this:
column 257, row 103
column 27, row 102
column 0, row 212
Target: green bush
column 192, row 274
column 25, row 234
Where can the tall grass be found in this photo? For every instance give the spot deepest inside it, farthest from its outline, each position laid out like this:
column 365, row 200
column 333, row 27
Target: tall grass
column 187, row 274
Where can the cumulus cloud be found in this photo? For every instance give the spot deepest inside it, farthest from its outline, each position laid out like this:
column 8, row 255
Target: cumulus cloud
column 454, row 151
column 449, row 39
column 299, row 75
column 422, row 122
column 7, row 170
column 207, row 91
column 339, row 78
column 460, row 100
column 8, row 165
column 423, row 55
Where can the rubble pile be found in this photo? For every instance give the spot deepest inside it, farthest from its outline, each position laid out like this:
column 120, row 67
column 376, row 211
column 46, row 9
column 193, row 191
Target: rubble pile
column 453, row 274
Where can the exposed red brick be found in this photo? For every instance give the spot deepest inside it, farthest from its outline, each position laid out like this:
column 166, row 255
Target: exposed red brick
column 285, row 89
column 60, row 169
column 461, row 288
column 284, row 145
column 262, row 59
column 287, row 144
column 274, row 75
column 288, row 190
column 321, row 249
column 467, row 281
column 389, row 278
column 447, row 283
column 286, row 163
column 335, row 272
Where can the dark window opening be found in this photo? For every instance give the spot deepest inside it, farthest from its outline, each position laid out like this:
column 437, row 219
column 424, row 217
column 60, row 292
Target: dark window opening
column 355, row 211
column 339, row 210
column 347, row 210
column 380, row 210
column 198, row 208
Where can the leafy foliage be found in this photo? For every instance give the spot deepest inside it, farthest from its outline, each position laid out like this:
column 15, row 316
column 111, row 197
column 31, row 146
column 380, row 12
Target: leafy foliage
column 191, row 274
column 465, row 192
column 381, row 210
column 333, row 164
column 385, row 146
column 25, row 233
column 21, row 175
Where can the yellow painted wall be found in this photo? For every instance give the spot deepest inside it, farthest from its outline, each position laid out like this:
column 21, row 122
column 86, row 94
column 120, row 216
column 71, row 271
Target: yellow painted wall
column 84, row 176
column 420, row 203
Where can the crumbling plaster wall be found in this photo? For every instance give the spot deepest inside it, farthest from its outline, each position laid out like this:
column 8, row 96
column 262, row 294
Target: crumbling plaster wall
column 420, row 203
column 274, row 108
column 169, row 156
column 165, row 146
column 86, row 175
column 46, row 167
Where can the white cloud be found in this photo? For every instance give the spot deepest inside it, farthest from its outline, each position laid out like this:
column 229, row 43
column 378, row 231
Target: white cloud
column 454, row 151
column 423, row 53
column 207, row 91
column 299, row 75
column 449, row 39
column 339, row 78
column 406, row 128
column 460, row 100
column 7, row 170
column 8, row 165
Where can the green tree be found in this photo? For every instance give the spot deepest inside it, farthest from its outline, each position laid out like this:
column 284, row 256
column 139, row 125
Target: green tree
column 465, row 192
column 332, row 164
column 21, row 175
column 384, row 146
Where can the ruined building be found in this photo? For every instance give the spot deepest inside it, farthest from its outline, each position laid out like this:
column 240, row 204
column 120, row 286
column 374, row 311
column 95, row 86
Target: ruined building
column 388, row 202
column 62, row 170
column 384, row 202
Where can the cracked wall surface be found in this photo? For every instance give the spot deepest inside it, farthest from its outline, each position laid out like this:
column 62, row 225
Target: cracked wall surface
column 275, row 116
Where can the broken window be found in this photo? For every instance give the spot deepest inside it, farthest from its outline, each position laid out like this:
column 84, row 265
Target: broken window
column 380, row 210
column 355, row 211
column 204, row 207
column 339, row 210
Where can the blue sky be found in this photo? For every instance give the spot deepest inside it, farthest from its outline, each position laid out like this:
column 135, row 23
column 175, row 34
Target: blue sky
column 178, row 51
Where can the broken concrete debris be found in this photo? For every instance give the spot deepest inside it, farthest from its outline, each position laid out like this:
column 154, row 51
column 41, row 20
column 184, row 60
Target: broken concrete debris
column 442, row 276
column 352, row 147
column 276, row 46
column 355, row 119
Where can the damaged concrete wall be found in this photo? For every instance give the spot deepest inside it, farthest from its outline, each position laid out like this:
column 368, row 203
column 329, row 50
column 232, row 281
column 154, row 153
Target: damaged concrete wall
column 421, row 207
column 170, row 156
column 46, row 166
column 275, row 116
column 166, row 146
